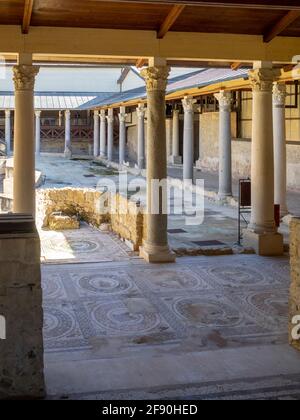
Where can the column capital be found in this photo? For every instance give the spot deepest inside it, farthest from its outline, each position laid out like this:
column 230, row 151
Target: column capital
column 67, row 113
column 7, row 113
column 38, row 113
column 156, row 77
column 262, row 79
column 110, row 116
column 122, row 114
column 225, row 100
column 279, row 94
column 188, row 103
column 103, row 115
column 176, row 112
column 96, row 113
column 24, row 77
column 141, row 111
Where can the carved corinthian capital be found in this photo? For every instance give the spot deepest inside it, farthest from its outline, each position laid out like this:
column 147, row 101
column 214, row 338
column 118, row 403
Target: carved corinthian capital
column 279, row 94
column 156, row 77
column 262, row 79
column 24, row 77
column 225, row 100
column 103, row 116
column 188, row 104
column 141, row 111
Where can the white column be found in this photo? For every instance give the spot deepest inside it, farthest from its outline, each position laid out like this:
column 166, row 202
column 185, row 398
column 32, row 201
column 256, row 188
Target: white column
column 68, row 145
column 169, row 134
column 188, row 138
column 225, row 158
column 155, row 248
column 96, row 134
column 8, row 131
column 37, row 132
column 279, row 95
column 175, row 159
column 262, row 233
column 122, row 135
column 24, row 153
column 110, row 134
column 103, row 134
column 141, row 110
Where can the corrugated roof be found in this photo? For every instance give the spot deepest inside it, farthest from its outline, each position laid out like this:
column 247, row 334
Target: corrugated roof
column 204, row 77
column 55, row 100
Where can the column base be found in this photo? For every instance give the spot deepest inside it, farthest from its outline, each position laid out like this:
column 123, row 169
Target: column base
column 157, row 254
column 175, row 160
column 264, row 244
column 68, row 154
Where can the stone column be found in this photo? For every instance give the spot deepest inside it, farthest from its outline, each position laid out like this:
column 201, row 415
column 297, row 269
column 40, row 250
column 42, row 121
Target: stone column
column 279, row 95
column 155, row 248
column 96, row 134
column 175, row 158
column 37, row 132
column 68, row 145
column 141, row 110
column 24, row 149
column 110, row 134
column 188, row 138
column 169, row 134
column 122, row 135
column 103, row 134
column 225, row 159
column 8, row 131
column 262, row 233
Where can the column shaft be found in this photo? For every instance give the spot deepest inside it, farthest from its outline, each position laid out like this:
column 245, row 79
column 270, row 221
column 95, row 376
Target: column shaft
column 122, row 136
column 8, row 131
column 96, row 134
column 110, row 135
column 38, row 132
column 68, row 145
column 155, row 248
column 176, row 159
column 102, row 134
column 225, row 159
column 24, row 153
column 141, row 110
column 188, row 138
column 279, row 95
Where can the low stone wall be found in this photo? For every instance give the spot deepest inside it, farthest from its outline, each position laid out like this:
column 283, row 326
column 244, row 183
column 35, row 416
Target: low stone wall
column 295, row 282
column 96, row 208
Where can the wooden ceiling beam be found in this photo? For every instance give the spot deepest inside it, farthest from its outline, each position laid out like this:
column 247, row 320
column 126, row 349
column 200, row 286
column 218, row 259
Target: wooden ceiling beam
column 239, row 4
column 28, row 9
column 141, row 62
column 281, row 25
column 235, row 66
column 167, row 24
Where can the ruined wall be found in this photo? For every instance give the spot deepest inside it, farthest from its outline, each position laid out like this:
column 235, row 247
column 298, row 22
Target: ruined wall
column 126, row 217
column 295, row 277
column 79, row 147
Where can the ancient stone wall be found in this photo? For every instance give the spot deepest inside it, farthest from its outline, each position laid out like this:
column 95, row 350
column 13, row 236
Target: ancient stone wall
column 125, row 217
column 21, row 353
column 295, row 282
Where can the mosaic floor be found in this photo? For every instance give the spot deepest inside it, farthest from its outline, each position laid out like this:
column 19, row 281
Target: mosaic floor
column 119, row 317
column 83, row 245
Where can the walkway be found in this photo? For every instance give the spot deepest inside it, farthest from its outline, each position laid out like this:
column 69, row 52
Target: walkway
column 203, row 328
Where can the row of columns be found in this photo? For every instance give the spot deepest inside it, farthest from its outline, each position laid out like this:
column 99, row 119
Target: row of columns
column 262, row 233
column 104, row 135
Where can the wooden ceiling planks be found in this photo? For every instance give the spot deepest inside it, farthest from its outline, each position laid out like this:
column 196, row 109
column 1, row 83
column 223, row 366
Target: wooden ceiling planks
column 249, row 17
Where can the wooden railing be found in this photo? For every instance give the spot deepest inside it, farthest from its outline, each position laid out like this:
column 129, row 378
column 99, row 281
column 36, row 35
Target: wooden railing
column 77, row 133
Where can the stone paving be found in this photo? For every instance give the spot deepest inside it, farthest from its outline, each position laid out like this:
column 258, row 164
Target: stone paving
column 104, row 322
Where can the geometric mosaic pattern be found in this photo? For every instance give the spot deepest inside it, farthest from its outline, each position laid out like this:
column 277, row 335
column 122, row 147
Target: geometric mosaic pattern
column 204, row 303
